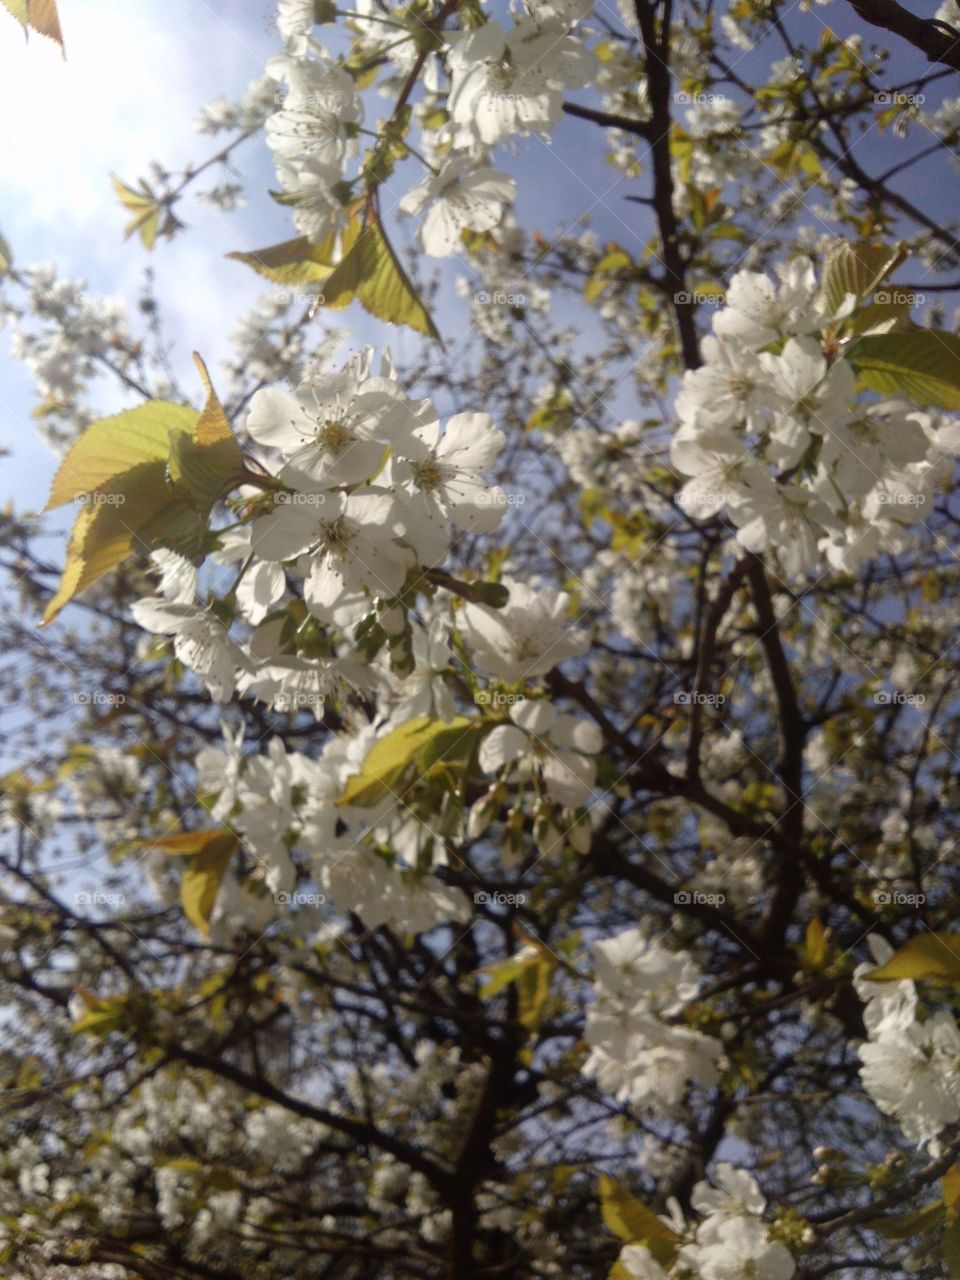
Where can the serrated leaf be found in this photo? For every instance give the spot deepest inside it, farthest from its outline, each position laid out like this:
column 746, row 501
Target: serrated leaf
column 857, row 269
column 208, row 461
column 139, row 511
column 922, row 363
column 292, row 262
column 112, row 446
column 370, row 273
column 40, row 15
column 634, row 1223
column 398, row 753
column 927, row 957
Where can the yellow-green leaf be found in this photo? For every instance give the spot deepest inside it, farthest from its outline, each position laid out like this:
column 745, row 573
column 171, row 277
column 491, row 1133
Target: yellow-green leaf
column 292, row 262
column 856, row 269
column 415, row 746
column 114, row 445
column 201, row 881
column 901, row 1226
column 41, row 15
column 922, row 363
column 138, row 511
column 932, row 957
column 146, row 210
column 634, row 1223
column 370, row 273
column 531, row 970
column 209, row 461
column 188, row 843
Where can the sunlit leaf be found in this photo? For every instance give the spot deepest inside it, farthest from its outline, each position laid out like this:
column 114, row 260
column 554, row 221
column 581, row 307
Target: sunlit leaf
column 856, row 269
column 634, row 1223
column 40, row 15
column 293, row 262
column 370, row 273
column 112, row 446
column 414, row 747
column 924, row 364
column 928, row 956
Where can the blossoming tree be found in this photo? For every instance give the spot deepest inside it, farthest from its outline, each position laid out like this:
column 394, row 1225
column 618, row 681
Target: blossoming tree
column 504, row 822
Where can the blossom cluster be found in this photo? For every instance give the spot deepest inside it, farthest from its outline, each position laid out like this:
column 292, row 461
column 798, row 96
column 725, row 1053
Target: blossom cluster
column 640, row 1051
column 911, row 1064
column 730, row 1239
column 773, row 434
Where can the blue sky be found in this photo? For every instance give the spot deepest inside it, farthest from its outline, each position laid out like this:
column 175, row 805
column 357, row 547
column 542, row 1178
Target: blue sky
column 134, row 79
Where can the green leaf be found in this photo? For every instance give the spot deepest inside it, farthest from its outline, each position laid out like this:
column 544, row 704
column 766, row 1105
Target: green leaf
column 292, row 262
column 201, row 881
column 634, row 1223
column 414, row 747
column 102, row 1016
column 188, row 843
column 929, row 956
column 532, row 971
column 856, row 269
column 104, row 532
column 923, row 364
column 901, row 1226
column 112, row 446
column 147, row 209
column 370, row 273
column 208, row 461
